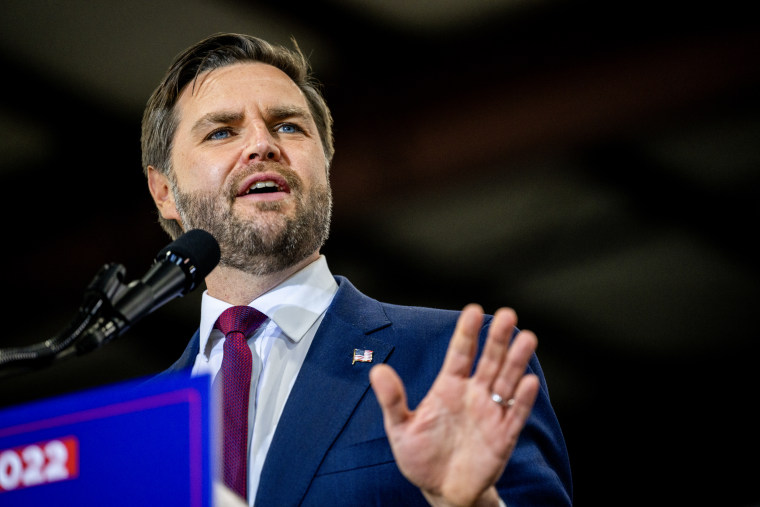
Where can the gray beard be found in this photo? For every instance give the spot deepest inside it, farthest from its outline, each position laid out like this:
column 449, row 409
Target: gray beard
column 266, row 246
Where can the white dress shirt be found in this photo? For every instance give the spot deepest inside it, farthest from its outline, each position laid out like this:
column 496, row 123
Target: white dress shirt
column 295, row 309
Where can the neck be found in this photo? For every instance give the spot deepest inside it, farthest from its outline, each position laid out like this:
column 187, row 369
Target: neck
column 240, row 288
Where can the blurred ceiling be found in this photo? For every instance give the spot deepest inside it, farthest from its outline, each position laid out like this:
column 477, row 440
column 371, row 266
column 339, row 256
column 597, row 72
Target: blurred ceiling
column 592, row 164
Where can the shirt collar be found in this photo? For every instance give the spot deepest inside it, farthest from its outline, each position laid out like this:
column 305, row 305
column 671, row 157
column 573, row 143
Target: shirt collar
column 294, row 305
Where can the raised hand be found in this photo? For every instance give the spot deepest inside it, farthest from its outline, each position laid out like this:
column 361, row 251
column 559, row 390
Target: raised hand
column 456, row 443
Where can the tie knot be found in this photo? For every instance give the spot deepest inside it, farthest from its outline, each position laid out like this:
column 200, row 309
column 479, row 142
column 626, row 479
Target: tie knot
column 241, row 319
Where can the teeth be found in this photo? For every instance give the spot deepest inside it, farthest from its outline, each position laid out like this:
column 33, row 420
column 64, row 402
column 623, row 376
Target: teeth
column 262, row 184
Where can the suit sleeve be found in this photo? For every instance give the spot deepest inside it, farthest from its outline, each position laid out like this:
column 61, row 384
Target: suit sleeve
column 538, row 472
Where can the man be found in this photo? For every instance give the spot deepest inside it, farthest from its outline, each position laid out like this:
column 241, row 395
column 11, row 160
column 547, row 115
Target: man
column 237, row 140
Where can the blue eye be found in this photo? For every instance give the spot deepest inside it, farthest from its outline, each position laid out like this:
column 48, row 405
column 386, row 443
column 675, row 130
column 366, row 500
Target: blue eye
column 223, row 133
column 288, row 128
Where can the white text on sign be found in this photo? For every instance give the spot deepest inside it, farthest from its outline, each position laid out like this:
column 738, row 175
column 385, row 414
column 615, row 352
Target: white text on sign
column 39, row 463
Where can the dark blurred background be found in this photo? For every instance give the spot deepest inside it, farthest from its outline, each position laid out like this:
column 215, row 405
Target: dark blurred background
column 592, row 164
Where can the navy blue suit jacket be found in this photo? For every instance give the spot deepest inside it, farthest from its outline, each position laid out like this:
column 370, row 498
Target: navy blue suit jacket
column 330, row 447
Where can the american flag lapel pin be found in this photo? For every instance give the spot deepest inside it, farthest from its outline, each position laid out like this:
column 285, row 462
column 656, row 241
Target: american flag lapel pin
column 362, row 356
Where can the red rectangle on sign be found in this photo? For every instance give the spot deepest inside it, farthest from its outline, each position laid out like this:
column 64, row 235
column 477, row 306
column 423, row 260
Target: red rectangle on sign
column 39, row 463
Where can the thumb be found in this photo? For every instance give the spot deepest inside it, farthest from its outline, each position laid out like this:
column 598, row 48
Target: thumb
column 390, row 393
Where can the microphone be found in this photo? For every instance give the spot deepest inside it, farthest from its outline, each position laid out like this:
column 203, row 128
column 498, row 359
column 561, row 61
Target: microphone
column 178, row 269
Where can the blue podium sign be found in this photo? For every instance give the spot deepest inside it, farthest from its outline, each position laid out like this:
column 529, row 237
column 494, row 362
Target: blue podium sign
column 127, row 444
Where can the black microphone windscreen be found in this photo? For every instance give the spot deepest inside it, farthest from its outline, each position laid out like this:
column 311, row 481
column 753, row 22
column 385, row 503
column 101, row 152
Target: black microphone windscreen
column 199, row 247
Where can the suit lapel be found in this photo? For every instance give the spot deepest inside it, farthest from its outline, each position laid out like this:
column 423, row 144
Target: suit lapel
column 184, row 364
column 327, row 390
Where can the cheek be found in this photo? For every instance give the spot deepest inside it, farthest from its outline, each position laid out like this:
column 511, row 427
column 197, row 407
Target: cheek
column 199, row 173
column 317, row 166
column 315, row 177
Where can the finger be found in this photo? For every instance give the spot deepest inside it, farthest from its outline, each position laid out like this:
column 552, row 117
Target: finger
column 464, row 342
column 525, row 397
column 513, row 368
column 516, row 414
column 495, row 350
column 390, row 394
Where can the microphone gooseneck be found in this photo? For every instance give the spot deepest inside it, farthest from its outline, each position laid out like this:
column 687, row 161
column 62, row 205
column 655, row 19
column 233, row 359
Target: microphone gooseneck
column 110, row 306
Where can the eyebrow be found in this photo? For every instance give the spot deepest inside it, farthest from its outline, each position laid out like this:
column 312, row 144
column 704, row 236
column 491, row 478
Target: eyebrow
column 216, row 118
column 282, row 112
column 231, row 117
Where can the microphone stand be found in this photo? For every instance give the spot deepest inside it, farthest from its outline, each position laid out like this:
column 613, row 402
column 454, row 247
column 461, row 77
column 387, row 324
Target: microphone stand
column 105, row 288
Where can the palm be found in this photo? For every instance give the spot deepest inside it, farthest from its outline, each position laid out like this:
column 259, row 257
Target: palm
column 456, row 443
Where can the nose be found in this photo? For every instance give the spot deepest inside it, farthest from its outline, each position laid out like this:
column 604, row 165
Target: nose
column 262, row 146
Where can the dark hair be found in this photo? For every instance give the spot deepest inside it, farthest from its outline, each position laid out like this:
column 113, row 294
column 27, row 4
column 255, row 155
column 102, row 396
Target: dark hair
column 159, row 122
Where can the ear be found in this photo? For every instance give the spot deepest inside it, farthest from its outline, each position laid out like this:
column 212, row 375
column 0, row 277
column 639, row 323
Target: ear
column 160, row 189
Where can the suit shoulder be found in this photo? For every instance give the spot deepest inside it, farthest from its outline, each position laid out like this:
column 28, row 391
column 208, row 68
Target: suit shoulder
column 351, row 300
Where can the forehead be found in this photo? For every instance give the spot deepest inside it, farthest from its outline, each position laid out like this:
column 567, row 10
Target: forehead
column 238, row 86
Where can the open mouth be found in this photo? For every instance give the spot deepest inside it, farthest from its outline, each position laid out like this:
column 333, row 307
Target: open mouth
column 264, row 187
column 264, row 184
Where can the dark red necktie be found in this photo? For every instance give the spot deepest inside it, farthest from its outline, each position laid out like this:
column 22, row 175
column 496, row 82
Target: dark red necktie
column 237, row 323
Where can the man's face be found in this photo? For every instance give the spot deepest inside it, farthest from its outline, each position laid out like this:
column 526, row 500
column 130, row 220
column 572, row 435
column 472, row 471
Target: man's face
column 249, row 167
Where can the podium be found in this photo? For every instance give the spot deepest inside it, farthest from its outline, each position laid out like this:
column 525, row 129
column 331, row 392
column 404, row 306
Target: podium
column 135, row 443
